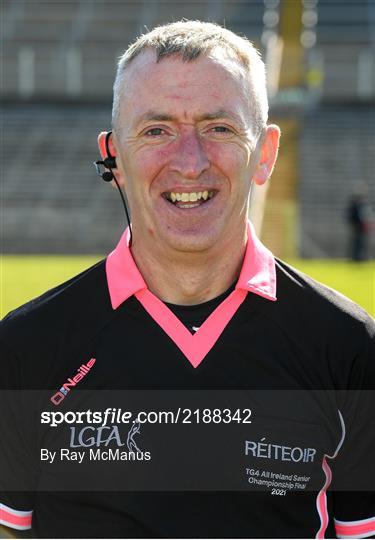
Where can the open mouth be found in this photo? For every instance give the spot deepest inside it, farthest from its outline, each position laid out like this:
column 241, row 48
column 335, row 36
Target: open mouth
column 192, row 199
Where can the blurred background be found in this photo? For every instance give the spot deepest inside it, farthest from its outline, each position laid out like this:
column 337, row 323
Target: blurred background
column 58, row 63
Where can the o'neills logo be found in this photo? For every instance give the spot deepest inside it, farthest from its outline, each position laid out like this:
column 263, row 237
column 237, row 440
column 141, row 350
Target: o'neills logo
column 72, row 381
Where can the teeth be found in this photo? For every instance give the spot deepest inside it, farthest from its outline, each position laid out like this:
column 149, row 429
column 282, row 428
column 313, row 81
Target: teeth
column 189, row 197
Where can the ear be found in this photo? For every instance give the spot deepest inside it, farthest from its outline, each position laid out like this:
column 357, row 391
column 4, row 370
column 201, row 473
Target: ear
column 103, row 152
column 102, row 148
column 268, row 154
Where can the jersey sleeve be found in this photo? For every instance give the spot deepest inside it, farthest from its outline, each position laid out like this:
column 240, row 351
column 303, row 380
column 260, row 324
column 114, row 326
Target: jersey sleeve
column 17, row 469
column 353, row 470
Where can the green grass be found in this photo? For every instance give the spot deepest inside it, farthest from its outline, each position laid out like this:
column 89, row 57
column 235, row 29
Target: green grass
column 25, row 277
column 354, row 280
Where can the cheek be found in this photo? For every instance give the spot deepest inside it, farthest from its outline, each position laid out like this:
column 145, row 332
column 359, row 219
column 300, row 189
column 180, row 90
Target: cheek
column 148, row 164
column 141, row 170
column 230, row 159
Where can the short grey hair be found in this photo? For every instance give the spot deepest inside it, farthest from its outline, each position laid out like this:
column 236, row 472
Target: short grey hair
column 190, row 39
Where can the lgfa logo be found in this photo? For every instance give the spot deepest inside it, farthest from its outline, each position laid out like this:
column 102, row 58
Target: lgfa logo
column 83, row 370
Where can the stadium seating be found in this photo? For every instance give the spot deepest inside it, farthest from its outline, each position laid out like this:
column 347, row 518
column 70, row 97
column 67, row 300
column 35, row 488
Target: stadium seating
column 345, row 46
column 92, row 34
column 336, row 157
column 349, row 21
column 53, row 201
column 58, row 68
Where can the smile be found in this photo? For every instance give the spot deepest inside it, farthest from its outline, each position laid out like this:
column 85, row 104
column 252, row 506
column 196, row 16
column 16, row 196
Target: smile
column 188, row 200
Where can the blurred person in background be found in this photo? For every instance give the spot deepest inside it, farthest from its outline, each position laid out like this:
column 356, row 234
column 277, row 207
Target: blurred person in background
column 358, row 219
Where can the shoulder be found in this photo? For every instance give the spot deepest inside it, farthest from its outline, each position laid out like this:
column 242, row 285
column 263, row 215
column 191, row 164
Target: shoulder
column 327, row 332
column 75, row 290
column 59, row 315
column 308, row 300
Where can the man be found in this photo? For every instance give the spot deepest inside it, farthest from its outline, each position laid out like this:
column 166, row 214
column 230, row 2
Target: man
column 358, row 220
column 191, row 301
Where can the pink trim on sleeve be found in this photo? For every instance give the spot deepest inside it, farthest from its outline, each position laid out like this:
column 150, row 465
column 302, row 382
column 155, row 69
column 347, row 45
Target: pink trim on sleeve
column 16, row 519
column 362, row 528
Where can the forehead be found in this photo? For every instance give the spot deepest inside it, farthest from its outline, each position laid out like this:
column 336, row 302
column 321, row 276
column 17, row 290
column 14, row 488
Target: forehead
column 216, row 81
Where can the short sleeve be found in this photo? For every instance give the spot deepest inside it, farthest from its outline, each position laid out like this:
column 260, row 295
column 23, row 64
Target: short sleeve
column 17, row 470
column 353, row 470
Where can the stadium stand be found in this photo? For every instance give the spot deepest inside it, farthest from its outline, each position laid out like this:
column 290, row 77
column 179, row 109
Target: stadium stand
column 54, row 202
column 336, row 155
column 338, row 134
column 81, row 39
column 349, row 21
column 58, row 67
column 345, row 33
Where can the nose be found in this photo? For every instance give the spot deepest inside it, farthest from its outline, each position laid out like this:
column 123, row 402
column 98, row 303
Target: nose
column 190, row 159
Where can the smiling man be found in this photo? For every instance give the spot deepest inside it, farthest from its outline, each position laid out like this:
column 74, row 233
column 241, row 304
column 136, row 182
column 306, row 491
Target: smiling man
column 268, row 376
column 189, row 137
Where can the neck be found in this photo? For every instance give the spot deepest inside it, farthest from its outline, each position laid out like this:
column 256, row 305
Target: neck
column 191, row 278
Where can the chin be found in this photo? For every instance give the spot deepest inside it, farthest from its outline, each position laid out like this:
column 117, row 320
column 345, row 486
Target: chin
column 190, row 241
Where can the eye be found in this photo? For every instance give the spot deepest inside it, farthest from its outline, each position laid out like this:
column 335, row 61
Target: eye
column 154, row 132
column 221, row 129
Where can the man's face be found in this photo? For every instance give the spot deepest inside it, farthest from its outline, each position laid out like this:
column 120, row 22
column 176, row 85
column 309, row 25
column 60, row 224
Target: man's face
column 186, row 150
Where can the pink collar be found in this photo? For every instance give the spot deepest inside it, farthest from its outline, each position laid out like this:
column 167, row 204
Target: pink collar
column 258, row 275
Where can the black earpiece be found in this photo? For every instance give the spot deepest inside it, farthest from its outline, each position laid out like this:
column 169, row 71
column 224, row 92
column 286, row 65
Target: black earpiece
column 107, row 176
column 109, row 162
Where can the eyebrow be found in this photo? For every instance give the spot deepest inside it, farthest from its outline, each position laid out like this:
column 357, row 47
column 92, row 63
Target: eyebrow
column 160, row 117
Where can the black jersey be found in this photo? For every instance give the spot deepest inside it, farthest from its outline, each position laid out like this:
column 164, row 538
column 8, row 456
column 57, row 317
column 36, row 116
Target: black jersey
column 294, row 458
